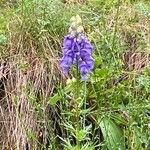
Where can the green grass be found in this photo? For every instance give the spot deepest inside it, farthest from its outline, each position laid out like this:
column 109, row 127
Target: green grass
column 41, row 109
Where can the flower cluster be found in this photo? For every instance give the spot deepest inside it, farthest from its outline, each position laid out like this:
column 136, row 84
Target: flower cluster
column 77, row 49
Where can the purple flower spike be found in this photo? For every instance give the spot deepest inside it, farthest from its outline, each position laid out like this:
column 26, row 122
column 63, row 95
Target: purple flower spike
column 83, row 70
column 77, row 50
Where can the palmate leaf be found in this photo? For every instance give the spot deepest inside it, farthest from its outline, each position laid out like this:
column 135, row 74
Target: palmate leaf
column 113, row 136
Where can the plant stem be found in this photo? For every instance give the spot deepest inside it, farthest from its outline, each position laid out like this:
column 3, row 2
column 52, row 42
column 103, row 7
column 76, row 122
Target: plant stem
column 84, row 104
column 77, row 106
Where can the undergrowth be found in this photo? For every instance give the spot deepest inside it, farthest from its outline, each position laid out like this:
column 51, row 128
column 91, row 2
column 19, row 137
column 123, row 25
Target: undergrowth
column 39, row 108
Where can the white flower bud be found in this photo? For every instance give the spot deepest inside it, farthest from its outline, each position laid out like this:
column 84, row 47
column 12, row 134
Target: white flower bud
column 80, row 29
column 78, row 19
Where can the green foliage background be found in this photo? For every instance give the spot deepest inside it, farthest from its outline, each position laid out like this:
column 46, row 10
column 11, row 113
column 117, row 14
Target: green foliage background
column 114, row 104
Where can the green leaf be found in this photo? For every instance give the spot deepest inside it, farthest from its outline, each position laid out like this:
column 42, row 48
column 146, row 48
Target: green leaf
column 119, row 119
column 53, row 100
column 58, row 96
column 3, row 39
column 82, row 134
column 103, row 73
column 112, row 135
column 98, row 61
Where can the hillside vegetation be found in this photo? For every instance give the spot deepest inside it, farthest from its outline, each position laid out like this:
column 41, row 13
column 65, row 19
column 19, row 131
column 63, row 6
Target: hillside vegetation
column 41, row 108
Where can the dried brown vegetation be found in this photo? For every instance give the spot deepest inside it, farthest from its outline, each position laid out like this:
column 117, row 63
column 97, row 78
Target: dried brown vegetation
column 30, row 72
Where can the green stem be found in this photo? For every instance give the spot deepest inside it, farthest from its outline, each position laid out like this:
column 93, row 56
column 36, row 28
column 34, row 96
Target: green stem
column 77, row 106
column 84, row 103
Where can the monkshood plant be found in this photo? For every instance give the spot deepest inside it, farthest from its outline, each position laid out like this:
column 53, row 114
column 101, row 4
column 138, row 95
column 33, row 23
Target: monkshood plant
column 77, row 51
column 84, row 125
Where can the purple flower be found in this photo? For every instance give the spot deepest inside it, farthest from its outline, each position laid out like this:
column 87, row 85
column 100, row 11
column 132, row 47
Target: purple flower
column 77, row 50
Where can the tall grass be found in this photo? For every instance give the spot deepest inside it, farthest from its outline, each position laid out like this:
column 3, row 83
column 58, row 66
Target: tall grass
column 38, row 105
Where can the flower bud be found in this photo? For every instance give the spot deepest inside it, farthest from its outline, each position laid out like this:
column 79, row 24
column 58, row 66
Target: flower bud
column 80, row 29
column 73, row 25
column 78, row 19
